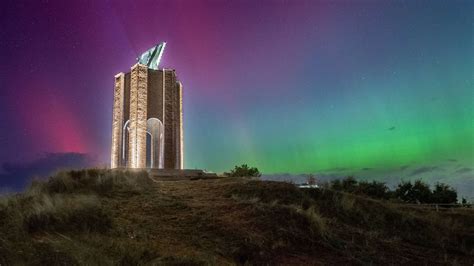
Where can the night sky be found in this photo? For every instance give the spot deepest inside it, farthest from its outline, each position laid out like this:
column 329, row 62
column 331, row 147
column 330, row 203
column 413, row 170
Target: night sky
column 378, row 89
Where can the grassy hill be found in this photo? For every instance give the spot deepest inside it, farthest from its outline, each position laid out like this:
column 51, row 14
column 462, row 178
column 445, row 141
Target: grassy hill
column 110, row 217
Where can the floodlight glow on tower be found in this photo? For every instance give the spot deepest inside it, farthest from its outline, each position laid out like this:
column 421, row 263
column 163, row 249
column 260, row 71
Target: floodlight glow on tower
column 147, row 126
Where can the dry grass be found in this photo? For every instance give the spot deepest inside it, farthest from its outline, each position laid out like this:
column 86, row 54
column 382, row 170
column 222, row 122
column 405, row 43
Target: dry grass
column 318, row 223
column 114, row 217
column 98, row 181
column 34, row 224
column 62, row 213
column 372, row 231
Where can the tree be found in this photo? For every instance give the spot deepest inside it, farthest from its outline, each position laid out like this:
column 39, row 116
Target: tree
column 415, row 193
column 422, row 192
column 349, row 184
column 244, row 171
column 404, row 191
column 443, row 193
column 374, row 189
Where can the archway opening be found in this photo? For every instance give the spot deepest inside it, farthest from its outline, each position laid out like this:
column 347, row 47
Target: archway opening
column 125, row 136
column 149, row 148
column 155, row 143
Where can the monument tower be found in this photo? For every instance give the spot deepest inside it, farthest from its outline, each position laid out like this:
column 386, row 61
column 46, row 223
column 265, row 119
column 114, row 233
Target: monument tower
column 147, row 128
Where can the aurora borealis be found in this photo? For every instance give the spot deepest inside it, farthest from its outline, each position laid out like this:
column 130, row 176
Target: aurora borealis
column 379, row 89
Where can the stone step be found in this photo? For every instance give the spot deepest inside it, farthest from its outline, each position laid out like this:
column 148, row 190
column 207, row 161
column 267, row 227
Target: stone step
column 176, row 173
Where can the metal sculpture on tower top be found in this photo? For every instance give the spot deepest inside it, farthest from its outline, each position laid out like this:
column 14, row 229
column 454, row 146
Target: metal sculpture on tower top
column 152, row 56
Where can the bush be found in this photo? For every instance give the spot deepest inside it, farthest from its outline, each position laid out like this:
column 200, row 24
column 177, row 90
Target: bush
column 374, row 189
column 444, row 194
column 349, row 184
column 244, row 171
column 404, row 192
column 417, row 193
column 422, row 192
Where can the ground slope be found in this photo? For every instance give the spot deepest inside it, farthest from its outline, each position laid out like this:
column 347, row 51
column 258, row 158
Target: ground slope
column 107, row 217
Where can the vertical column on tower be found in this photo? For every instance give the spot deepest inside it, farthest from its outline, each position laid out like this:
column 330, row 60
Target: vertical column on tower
column 117, row 121
column 170, row 119
column 138, row 116
column 179, row 126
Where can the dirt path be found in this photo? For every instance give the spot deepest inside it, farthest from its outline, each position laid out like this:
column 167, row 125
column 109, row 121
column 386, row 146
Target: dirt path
column 181, row 218
column 208, row 222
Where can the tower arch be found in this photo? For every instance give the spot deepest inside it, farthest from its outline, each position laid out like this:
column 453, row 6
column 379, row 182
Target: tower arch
column 125, row 137
column 155, row 151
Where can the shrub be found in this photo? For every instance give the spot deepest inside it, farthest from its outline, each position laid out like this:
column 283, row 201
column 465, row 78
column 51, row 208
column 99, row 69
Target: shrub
column 422, row 192
column 404, row 192
column 374, row 189
column 349, row 184
column 444, row 194
column 244, row 171
column 417, row 193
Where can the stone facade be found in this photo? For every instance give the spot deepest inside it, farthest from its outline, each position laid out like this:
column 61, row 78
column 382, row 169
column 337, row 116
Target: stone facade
column 180, row 137
column 138, row 117
column 147, row 129
column 117, row 120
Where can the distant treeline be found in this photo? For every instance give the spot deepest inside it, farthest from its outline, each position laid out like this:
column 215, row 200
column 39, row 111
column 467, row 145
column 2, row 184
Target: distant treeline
column 417, row 192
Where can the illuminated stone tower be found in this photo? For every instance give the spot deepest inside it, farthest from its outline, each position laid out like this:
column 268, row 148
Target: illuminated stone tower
column 147, row 128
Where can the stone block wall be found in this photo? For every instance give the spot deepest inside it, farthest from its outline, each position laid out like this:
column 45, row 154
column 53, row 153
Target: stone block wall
column 179, row 164
column 117, row 120
column 138, row 116
column 140, row 95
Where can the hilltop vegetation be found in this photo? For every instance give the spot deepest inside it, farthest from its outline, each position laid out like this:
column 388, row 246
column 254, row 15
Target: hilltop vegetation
column 418, row 192
column 112, row 217
column 243, row 171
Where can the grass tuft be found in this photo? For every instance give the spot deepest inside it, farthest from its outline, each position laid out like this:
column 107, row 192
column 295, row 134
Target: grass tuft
column 66, row 213
column 102, row 182
column 318, row 223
